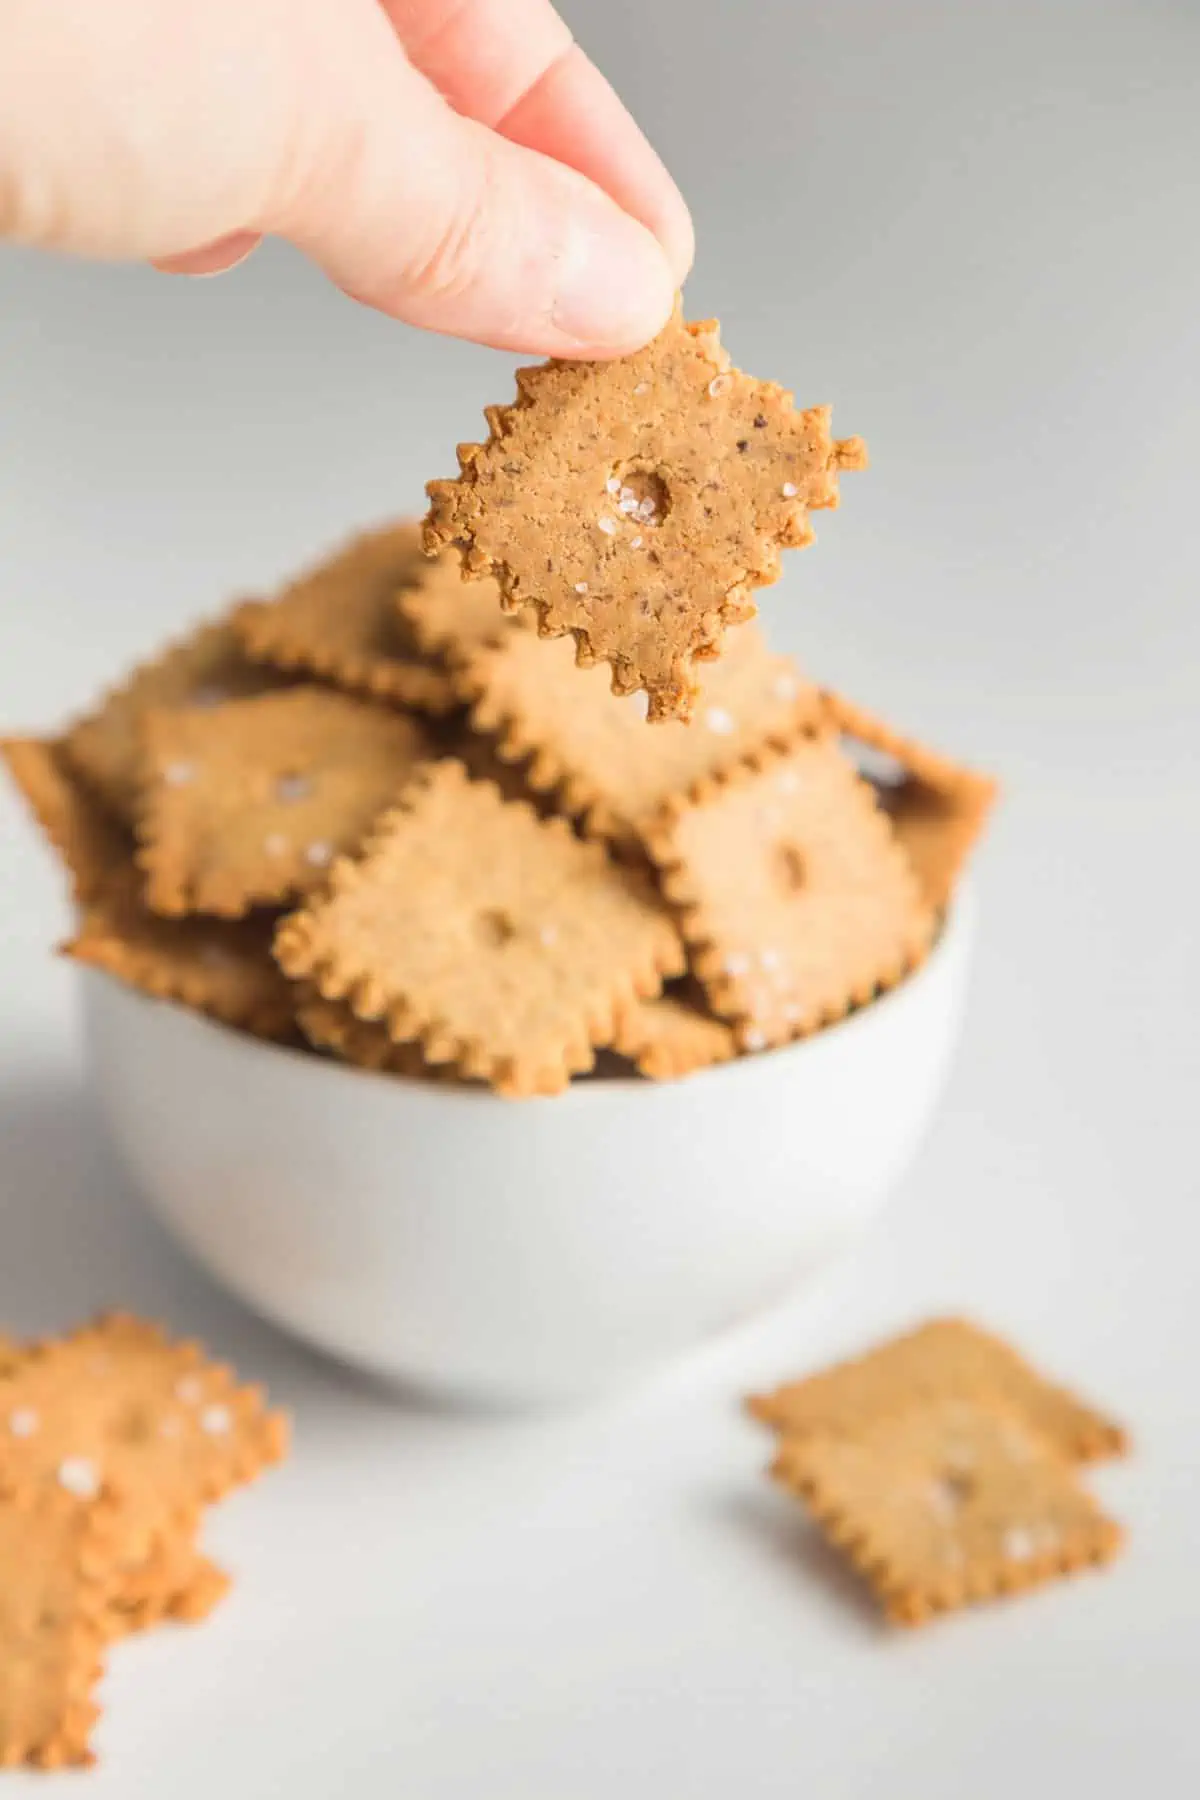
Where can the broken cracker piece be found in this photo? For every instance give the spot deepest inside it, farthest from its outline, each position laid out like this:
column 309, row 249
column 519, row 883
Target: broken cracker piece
column 55, row 1576
column 948, row 1502
column 943, row 1357
column 204, row 669
column 796, row 901
column 585, row 746
column 339, row 621
column 90, row 840
column 637, row 503
column 938, row 808
column 501, row 942
column 673, row 1036
column 220, row 967
column 248, row 804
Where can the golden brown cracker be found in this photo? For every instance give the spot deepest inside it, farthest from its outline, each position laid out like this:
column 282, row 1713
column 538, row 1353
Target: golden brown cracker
column 117, row 1404
column 938, row 808
column 205, row 668
column 941, row 1357
column 587, row 747
column 247, row 805
column 795, row 899
column 55, row 1561
column 673, row 1036
column 448, row 617
column 339, row 621
column 946, row 1503
column 89, row 839
column 503, row 944
column 637, row 503
column 220, row 967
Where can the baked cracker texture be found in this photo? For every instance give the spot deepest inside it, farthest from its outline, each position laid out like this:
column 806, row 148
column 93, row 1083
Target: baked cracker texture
column 943, row 1358
column 637, row 504
column 220, row 967
column 119, row 1406
column 500, row 942
column 90, row 840
column 55, row 1556
column 364, row 1043
column 946, row 1503
column 339, row 621
column 938, row 807
column 795, row 899
column 203, row 669
column 248, row 804
column 577, row 741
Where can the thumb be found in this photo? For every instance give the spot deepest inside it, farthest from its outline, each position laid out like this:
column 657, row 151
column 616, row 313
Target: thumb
column 441, row 222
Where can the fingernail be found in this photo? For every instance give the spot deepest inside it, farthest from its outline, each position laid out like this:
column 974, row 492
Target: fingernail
column 615, row 288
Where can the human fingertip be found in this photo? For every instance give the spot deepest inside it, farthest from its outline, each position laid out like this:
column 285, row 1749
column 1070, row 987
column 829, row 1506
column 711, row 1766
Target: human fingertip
column 614, row 284
column 217, row 258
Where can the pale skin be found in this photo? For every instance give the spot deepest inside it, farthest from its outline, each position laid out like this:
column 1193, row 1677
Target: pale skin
column 458, row 164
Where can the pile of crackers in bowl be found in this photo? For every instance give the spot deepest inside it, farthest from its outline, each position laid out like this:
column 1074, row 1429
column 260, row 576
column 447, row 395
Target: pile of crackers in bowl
column 382, row 816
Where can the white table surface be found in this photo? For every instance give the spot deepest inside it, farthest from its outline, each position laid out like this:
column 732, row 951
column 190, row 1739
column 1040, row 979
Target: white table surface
column 613, row 1602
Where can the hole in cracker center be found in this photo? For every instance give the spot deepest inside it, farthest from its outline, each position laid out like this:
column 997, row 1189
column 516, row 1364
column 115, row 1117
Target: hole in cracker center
column 496, row 928
column 790, row 868
column 641, row 494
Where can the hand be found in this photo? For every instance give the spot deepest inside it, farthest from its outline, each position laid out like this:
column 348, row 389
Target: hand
column 459, row 164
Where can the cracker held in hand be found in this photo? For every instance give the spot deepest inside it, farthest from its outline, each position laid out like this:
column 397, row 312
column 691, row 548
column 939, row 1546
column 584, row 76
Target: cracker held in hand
column 796, row 900
column 937, row 807
column 942, row 1358
column 637, row 504
column 946, row 1503
column 247, row 805
column 339, row 621
column 204, row 669
column 583, row 744
column 501, row 943
column 55, row 1579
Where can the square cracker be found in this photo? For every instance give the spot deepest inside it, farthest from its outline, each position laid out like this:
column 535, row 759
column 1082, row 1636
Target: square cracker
column 948, row 1502
column 637, row 503
column 939, row 1358
column 55, row 1579
column 90, row 840
column 365, row 1043
column 339, row 621
column 203, row 669
column 938, row 808
column 220, row 967
column 796, row 901
column 583, row 744
column 501, row 942
column 248, row 804
column 117, row 1405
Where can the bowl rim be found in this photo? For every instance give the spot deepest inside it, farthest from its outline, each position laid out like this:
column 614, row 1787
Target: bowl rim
column 956, row 929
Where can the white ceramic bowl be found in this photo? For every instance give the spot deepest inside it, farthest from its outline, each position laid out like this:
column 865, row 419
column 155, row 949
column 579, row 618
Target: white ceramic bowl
column 520, row 1250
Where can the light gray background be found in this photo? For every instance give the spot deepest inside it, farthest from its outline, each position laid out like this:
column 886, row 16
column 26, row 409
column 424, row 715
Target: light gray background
column 974, row 229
